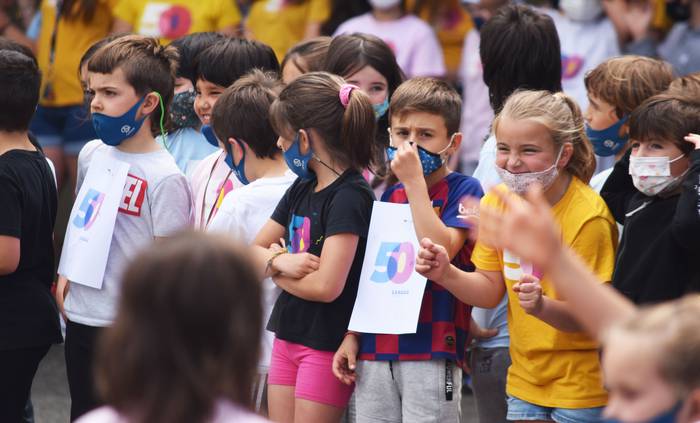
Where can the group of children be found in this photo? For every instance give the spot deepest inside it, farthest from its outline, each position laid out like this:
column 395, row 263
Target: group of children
column 287, row 160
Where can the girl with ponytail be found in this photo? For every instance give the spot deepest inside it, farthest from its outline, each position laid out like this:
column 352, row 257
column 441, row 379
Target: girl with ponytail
column 326, row 130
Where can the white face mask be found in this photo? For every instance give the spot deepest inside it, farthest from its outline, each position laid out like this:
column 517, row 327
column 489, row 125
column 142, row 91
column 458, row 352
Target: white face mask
column 581, row 10
column 384, row 4
column 520, row 182
column 652, row 175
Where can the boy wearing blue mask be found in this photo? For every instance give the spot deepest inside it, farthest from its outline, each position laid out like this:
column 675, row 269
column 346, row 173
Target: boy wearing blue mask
column 615, row 88
column 241, row 121
column 132, row 79
column 398, row 375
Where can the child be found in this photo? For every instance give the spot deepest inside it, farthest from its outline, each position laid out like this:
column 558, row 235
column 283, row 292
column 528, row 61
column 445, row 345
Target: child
column 241, row 120
column 615, row 88
column 417, row 49
column 185, row 339
column 555, row 372
column 409, row 369
column 304, row 57
column 650, row 355
column 326, row 129
column 29, row 201
column 184, row 141
column 653, row 193
column 129, row 77
column 219, row 66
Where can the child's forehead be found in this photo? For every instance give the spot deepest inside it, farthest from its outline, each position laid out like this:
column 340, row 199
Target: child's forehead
column 418, row 119
column 204, row 84
column 116, row 79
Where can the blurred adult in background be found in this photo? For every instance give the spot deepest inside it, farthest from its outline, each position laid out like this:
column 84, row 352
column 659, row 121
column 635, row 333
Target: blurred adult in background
column 283, row 23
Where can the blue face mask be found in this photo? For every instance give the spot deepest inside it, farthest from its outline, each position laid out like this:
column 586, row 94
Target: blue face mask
column 114, row 130
column 298, row 163
column 608, row 142
column 429, row 161
column 209, row 135
column 665, row 417
column 381, row 108
column 239, row 170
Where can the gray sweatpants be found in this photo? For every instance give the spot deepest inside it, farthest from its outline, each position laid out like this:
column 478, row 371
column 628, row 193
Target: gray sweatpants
column 489, row 371
column 408, row 391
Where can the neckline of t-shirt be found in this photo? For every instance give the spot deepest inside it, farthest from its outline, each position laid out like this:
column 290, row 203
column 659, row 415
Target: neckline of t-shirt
column 288, row 176
column 22, row 151
column 127, row 154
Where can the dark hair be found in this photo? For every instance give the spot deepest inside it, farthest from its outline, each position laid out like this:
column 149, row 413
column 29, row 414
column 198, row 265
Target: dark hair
column 189, row 47
column 312, row 101
column 20, row 82
column 228, row 59
column 8, row 44
column 187, row 332
column 243, row 112
column 147, row 66
column 343, row 10
column 668, row 117
column 312, row 52
column 79, row 9
column 428, row 95
column 519, row 50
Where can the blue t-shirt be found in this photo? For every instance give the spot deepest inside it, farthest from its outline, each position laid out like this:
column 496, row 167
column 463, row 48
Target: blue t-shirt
column 186, row 145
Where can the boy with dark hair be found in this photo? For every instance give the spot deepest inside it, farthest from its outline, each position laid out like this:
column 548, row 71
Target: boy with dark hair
column 241, row 121
column 217, row 67
column 132, row 79
column 398, row 376
column 28, row 317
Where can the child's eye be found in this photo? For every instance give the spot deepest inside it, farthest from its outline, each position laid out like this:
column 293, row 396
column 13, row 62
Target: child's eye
column 503, row 149
column 377, row 88
column 634, row 145
column 426, row 134
column 197, row 93
column 657, row 146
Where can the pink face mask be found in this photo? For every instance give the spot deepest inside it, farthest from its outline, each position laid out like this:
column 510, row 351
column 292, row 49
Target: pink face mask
column 520, row 182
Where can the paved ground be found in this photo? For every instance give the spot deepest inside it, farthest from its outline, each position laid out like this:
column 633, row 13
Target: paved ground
column 50, row 392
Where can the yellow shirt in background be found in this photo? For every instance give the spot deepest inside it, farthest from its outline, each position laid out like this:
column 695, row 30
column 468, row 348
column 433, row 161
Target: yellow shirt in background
column 552, row 368
column 171, row 19
column 73, row 38
column 281, row 24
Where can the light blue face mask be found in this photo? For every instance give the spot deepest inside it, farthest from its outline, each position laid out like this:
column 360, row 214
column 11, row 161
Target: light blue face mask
column 669, row 416
column 381, row 108
column 608, row 142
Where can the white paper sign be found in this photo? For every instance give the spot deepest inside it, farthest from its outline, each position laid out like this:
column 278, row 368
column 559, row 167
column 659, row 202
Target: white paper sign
column 390, row 291
column 91, row 225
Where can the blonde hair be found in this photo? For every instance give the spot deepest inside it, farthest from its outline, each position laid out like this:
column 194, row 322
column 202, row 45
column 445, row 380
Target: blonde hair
column 675, row 329
column 560, row 114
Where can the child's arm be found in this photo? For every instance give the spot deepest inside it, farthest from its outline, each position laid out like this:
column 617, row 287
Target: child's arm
column 480, row 288
column 406, row 166
column 619, row 189
column 9, row 254
column 270, row 256
column 686, row 221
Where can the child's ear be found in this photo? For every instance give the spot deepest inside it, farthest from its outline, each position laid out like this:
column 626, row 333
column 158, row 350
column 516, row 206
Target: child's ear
column 456, row 142
column 625, row 129
column 237, row 148
column 150, row 103
column 694, row 405
column 566, row 155
column 304, row 141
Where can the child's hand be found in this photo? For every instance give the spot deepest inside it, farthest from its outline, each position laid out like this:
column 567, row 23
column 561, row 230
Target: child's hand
column 693, row 139
column 406, row 164
column 432, row 261
column 62, row 286
column 345, row 359
column 296, row 266
column 529, row 293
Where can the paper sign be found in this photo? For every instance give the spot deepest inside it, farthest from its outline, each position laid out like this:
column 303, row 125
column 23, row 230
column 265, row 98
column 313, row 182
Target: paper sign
column 91, row 225
column 390, row 293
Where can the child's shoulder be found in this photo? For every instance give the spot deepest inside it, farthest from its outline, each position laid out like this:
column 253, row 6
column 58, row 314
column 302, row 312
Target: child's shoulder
column 585, row 202
column 461, row 183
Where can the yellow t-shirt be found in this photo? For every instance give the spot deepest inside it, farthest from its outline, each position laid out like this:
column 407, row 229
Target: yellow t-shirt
column 281, row 24
column 73, row 38
column 171, row 19
column 552, row 368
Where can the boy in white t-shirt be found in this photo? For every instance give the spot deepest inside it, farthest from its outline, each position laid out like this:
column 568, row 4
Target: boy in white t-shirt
column 241, row 122
column 132, row 78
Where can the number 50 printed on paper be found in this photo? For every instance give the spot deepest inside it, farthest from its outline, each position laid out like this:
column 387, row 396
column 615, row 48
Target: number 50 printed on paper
column 390, row 293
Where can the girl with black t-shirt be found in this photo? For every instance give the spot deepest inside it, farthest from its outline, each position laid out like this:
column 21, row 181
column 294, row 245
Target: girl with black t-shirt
column 326, row 131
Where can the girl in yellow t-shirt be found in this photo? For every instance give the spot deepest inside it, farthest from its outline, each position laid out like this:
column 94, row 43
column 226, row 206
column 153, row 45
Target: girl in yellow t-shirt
column 555, row 375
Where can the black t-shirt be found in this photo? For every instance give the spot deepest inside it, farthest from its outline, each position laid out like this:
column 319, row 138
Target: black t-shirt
column 28, row 312
column 311, row 217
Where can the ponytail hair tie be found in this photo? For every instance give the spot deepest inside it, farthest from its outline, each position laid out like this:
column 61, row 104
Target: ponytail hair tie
column 345, row 92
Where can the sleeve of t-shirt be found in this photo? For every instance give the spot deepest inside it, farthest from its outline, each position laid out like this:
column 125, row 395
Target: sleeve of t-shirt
column 230, row 220
column 427, row 58
column 11, row 210
column 281, row 213
column 128, row 11
column 320, row 11
column 228, row 14
column 349, row 212
column 595, row 244
column 466, row 187
column 171, row 206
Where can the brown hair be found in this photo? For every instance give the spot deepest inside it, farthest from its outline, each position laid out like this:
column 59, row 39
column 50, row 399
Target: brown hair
column 675, row 330
column 668, row 117
column 625, row 82
column 147, row 66
column 313, row 101
column 684, row 85
column 312, row 52
column 428, row 95
column 560, row 114
column 243, row 110
column 187, row 332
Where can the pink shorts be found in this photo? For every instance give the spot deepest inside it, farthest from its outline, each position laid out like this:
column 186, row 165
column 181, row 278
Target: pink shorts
column 309, row 371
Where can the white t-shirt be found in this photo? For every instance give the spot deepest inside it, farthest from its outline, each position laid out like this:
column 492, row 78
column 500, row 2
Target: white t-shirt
column 157, row 202
column 413, row 41
column 225, row 412
column 211, row 180
column 242, row 214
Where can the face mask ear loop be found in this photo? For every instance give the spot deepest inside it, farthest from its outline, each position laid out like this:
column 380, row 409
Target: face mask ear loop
column 162, row 119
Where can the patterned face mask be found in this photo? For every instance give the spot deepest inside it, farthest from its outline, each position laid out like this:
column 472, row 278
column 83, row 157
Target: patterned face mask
column 182, row 113
column 430, row 162
column 520, row 182
column 652, row 175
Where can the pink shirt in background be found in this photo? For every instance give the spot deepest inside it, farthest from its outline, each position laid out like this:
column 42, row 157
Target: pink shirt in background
column 210, row 180
column 413, row 41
